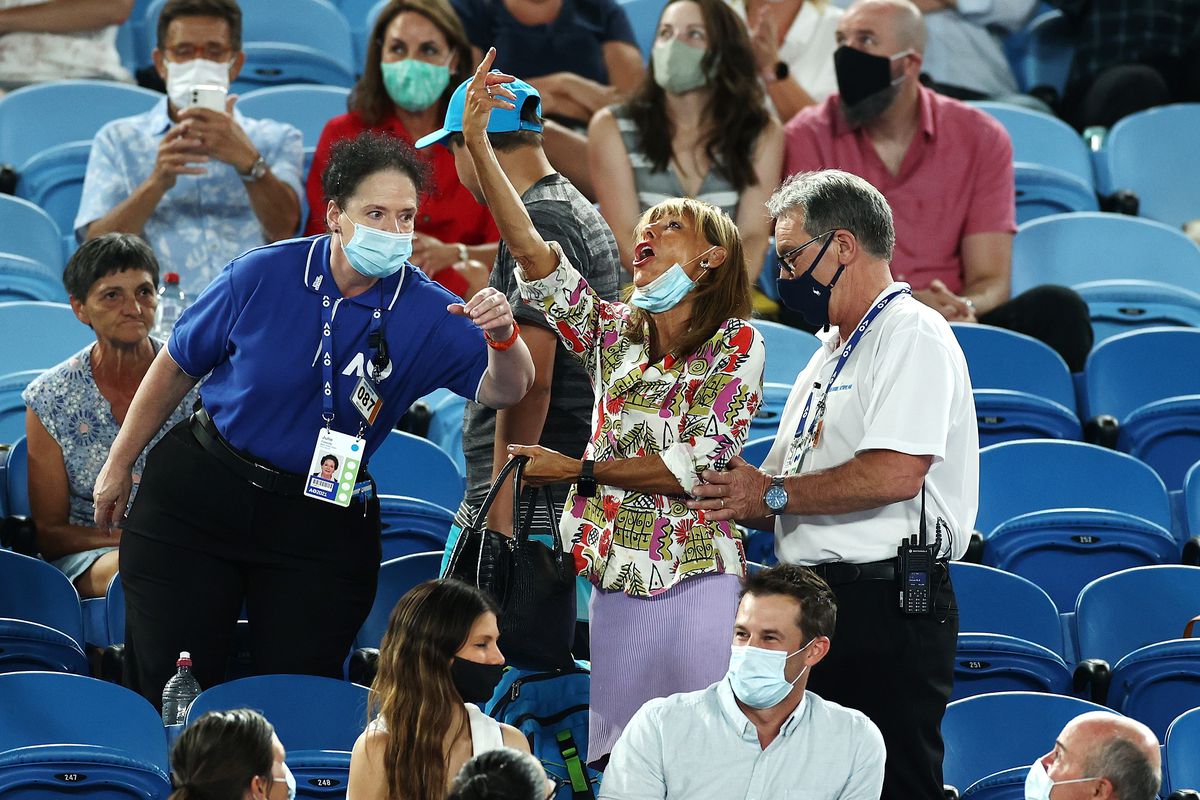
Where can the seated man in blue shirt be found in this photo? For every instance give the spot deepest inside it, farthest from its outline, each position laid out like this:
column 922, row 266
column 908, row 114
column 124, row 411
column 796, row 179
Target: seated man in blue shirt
column 200, row 182
column 756, row 733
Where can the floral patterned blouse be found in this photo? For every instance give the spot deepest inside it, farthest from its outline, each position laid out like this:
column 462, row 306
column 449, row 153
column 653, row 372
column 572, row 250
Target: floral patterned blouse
column 695, row 413
column 79, row 418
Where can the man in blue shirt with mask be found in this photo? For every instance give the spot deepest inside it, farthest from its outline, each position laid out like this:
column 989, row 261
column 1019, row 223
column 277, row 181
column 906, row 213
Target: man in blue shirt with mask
column 774, row 737
column 311, row 348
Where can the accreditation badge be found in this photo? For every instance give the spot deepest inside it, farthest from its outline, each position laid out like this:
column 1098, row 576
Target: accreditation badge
column 334, row 467
column 366, row 400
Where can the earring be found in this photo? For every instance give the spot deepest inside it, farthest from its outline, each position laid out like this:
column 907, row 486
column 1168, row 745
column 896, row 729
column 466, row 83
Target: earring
column 704, row 265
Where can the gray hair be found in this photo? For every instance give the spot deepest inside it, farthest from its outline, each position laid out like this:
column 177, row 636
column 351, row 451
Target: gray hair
column 836, row 200
column 1127, row 768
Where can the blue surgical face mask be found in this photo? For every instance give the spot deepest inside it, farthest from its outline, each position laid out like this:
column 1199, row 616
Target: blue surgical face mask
column 376, row 253
column 1038, row 784
column 664, row 292
column 291, row 782
column 756, row 674
column 806, row 294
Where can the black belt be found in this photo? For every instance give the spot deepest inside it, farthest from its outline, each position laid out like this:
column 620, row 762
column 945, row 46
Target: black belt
column 837, row 573
column 256, row 473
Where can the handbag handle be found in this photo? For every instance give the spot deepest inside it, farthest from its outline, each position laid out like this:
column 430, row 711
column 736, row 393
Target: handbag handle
column 521, row 532
column 516, row 465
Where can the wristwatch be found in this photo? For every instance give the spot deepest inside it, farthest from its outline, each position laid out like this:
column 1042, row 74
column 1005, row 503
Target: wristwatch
column 586, row 485
column 780, row 71
column 776, row 496
column 256, row 171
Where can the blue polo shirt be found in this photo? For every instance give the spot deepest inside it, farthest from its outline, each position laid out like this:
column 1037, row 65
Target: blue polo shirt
column 256, row 331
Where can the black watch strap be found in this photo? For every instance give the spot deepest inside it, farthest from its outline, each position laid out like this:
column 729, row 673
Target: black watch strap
column 586, row 485
column 781, row 70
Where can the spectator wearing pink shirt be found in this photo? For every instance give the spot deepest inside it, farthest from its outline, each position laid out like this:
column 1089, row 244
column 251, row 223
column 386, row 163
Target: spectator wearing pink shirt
column 945, row 169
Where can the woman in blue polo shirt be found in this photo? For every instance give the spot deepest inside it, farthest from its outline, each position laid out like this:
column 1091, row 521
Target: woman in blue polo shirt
column 309, row 348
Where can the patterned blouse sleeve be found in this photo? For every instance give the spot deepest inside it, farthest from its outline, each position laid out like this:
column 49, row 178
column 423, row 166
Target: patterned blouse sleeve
column 714, row 411
column 584, row 322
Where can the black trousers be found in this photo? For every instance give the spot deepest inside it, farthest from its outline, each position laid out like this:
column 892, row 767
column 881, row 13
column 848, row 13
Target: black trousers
column 1055, row 315
column 899, row 671
column 200, row 542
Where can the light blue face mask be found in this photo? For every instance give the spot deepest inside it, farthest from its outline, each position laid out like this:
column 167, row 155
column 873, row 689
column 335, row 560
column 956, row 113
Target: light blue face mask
column 376, row 253
column 291, row 782
column 664, row 292
column 756, row 674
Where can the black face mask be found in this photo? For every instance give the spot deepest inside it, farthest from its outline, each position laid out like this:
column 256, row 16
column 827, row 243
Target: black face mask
column 475, row 682
column 808, row 296
column 860, row 75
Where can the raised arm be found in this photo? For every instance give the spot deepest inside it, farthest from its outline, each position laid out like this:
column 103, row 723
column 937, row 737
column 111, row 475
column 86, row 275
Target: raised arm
column 161, row 392
column 485, row 92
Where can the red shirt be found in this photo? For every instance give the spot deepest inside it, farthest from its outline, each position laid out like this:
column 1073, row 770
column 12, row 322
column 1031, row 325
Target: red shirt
column 447, row 211
column 956, row 179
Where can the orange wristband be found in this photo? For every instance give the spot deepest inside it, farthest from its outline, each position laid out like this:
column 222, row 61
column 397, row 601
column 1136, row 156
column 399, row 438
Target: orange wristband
column 507, row 343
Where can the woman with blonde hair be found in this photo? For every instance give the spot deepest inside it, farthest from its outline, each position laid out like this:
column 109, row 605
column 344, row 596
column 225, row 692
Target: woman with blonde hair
column 417, row 54
column 438, row 662
column 677, row 373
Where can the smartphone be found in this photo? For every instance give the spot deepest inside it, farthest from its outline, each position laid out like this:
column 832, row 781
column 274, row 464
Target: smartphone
column 207, row 96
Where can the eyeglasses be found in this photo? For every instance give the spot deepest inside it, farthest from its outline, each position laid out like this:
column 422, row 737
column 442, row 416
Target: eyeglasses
column 786, row 259
column 211, row 52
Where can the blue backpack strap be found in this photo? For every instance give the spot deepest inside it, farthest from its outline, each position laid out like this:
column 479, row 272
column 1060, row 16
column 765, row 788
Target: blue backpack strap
column 576, row 770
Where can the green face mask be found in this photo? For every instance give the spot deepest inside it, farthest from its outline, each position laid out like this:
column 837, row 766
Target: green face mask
column 415, row 85
column 677, row 66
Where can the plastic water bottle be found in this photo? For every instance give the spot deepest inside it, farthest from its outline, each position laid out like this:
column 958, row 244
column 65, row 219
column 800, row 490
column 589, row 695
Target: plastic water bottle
column 179, row 692
column 171, row 303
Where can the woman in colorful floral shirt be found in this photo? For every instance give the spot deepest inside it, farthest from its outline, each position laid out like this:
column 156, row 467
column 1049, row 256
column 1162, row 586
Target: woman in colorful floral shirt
column 677, row 373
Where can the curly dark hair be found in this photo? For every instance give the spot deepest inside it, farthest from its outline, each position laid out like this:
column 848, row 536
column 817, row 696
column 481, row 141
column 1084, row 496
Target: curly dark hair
column 351, row 161
column 737, row 97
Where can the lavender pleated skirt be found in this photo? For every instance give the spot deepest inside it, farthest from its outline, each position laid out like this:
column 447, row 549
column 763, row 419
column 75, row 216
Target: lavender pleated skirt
column 642, row 649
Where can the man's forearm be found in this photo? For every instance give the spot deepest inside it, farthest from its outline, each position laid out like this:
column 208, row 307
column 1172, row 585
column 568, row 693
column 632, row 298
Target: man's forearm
column 871, row 479
column 275, row 205
column 131, row 214
column 64, row 16
column 985, row 295
column 789, row 97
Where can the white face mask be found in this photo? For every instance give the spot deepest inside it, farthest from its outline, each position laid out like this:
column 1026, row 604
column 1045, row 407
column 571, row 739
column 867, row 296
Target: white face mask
column 183, row 75
column 1038, row 784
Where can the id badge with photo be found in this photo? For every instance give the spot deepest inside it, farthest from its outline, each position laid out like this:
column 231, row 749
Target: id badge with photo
column 334, row 467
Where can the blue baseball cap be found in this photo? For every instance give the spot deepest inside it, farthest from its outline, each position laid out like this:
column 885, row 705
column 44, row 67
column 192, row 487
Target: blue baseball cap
column 502, row 120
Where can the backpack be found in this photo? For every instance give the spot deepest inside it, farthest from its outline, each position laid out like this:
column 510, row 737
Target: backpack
column 551, row 709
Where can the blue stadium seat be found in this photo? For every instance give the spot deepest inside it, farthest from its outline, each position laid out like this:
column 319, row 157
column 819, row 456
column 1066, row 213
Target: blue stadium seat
column 70, row 736
column 1133, row 620
column 1119, row 306
column 1150, row 154
column 410, row 466
column 307, row 108
column 1009, row 635
column 1181, row 768
column 1064, row 513
column 361, row 15
column 114, row 610
column 446, row 427
column 1149, row 380
column 994, row 732
column 643, row 16
column 1022, row 388
column 53, row 180
column 1049, row 50
column 396, row 577
column 1043, row 140
column 316, row 719
column 411, row 525
column 38, row 117
column 12, row 407
column 766, row 422
column 1069, row 249
column 30, row 232
column 788, row 351
column 23, row 279
column 52, row 334
column 1007, row 784
column 1042, row 191
column 41, row 626
column 271, row 64
column 1191, row 500
column 16, row 479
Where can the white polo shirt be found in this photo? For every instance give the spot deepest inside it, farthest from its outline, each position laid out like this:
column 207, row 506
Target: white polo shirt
column 904, row 388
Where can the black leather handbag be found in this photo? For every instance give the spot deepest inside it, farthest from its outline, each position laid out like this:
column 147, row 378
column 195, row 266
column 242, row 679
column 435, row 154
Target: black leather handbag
column 533, row 585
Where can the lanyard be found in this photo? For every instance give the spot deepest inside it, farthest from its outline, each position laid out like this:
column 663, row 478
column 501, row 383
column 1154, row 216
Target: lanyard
column 841, row 362
column 375, row 339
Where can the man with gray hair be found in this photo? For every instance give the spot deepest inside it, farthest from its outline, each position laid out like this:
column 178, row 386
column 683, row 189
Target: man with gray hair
column 877, row 444
column 1099, row 756
column 945, row 167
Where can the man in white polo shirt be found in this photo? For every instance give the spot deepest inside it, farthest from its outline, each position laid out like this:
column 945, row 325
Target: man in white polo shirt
column 757, row 733
column 879, row 428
